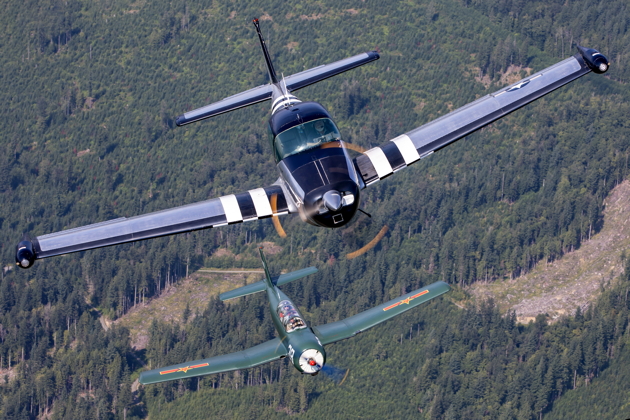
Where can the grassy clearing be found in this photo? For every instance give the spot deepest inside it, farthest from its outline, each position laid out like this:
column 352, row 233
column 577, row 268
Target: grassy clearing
column 576, row 279
column 196, row 291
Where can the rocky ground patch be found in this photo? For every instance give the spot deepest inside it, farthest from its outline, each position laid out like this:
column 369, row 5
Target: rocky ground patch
column 574, row 280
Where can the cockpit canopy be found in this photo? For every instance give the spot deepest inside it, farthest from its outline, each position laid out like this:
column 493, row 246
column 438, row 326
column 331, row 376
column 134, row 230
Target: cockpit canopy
column 296, row 128
column 290, row 317
column 305, row 136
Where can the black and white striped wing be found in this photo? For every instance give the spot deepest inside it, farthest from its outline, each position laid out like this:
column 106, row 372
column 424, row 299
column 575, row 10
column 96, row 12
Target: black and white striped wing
column 382, row 161
column 230, row 209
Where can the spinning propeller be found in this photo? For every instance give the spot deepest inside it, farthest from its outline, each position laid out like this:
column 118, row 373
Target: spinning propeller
column 336, row 374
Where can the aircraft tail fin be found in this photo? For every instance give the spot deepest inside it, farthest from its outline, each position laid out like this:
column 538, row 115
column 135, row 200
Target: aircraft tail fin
column 260, row 286
column 268, row 280
column 263, row 45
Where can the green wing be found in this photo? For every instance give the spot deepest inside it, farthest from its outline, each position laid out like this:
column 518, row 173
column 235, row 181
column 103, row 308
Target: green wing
column 262, row 353
column 349, row 327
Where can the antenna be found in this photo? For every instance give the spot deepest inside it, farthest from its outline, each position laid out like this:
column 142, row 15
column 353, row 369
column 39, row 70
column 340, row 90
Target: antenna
column 272, row 72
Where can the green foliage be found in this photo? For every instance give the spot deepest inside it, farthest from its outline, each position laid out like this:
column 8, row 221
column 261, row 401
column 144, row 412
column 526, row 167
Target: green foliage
column 451, row 363
column 110, row 76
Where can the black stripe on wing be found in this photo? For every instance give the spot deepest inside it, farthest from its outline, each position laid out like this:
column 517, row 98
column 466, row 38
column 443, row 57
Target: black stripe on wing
column 380, row 162
column 251, row 205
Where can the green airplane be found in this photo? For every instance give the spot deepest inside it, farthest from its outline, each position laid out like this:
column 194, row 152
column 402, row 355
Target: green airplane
column 303, row 345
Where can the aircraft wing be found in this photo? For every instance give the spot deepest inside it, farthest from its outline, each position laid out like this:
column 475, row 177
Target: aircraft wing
column 230, row 209
column 349, row 327
column 254, row 356
column 382, row 161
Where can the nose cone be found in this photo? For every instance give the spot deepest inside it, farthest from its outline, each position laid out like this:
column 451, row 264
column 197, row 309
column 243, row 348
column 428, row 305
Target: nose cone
column 332, row 200
column 311, row 361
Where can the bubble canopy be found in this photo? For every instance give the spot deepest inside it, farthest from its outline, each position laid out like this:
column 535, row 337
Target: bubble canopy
column 290, row 317
column 300, row 127
column 304, row 137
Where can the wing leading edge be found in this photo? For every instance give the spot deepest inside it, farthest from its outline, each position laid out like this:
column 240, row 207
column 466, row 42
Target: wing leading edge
column 382, row 161
column 349, row 327
column 236, row 208
column 254, row 356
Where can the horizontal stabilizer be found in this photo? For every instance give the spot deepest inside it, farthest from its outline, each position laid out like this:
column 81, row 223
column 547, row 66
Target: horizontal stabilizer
column 259, row 286
column 317, row 74
column 263, row 93
column 294, row 275
column 349, row 327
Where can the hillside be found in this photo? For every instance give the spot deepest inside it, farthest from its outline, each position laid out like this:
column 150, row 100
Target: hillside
column 577, row 279
column 90, row 91
column 193, row 293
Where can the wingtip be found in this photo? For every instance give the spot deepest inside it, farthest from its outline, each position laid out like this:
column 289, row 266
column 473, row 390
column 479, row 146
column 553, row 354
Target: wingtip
column 595, row 60
column 181, row 120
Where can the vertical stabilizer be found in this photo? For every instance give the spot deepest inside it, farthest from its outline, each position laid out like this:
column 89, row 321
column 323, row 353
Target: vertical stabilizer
column 272, row 71
column 270, row 283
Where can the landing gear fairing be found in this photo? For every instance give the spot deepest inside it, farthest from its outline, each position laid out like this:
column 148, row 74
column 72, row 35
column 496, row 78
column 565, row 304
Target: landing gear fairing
column 303, row 345
column 318, row 179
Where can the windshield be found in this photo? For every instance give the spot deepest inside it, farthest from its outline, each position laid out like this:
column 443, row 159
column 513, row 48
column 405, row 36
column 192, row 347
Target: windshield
column 304, row 137
column 290, row 317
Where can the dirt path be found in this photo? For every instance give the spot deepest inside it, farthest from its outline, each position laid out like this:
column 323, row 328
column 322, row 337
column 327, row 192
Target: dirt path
column 204, row 270
column 576, row 279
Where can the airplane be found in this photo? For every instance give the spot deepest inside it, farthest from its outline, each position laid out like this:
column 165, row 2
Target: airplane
column 303, row 345
column 318, row 178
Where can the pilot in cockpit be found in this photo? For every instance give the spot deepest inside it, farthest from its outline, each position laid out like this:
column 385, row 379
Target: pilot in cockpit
column 295, row 324
column 322, row 133
column 320, row 127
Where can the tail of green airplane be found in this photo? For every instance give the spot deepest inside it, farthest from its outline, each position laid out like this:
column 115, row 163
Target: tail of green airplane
column 268, row 282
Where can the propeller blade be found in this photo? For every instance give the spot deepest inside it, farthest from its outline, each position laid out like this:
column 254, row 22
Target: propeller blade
column 275, row 219
column 347, row 145
column 336, row 374
column 370, row 245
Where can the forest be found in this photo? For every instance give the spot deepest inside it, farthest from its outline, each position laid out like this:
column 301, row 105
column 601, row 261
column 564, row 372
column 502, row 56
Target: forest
column 90, row 91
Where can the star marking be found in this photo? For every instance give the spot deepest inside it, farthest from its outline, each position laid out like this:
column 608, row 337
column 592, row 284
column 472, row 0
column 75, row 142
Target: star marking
column 184, row 369
column 407, row 300
column 516, row 87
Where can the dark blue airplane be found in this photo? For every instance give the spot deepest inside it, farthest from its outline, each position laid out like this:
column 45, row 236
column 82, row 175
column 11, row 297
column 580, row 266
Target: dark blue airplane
column 318, row 178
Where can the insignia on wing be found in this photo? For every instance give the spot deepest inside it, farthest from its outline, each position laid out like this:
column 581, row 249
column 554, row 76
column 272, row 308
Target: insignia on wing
column 409, row 299
column 183, row 369
column 517, row 87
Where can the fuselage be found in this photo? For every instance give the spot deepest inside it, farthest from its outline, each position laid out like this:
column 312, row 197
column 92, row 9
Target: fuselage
column 304, row 348
column 313, row 162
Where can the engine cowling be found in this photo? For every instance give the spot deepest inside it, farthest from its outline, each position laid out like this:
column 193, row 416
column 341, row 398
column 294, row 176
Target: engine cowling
column 25, row 254
column 311, row 361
